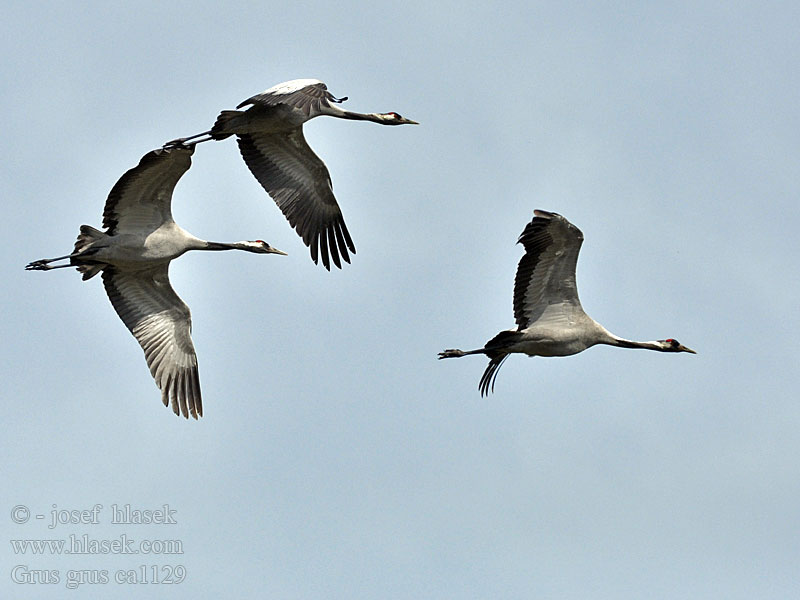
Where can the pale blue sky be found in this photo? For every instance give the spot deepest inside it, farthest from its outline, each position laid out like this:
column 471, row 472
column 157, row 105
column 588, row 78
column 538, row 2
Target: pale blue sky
column 338, row 458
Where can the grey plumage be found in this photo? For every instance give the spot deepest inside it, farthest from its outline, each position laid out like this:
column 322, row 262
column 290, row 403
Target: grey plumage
column 134, row 254
column 162, row 324
column 301, row 186
column 550, row 318
column 309, row 95
column 271, row 141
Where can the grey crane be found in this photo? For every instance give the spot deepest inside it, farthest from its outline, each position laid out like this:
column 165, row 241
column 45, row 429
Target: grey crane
column 271, row 141
column 133, row 254
column 550, row 319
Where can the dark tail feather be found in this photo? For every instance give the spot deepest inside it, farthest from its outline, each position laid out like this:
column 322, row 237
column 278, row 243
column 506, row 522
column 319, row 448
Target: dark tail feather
column 88, row 236
column 223, row 127
column 84, row 247
column 490, row 374
column 89, row 270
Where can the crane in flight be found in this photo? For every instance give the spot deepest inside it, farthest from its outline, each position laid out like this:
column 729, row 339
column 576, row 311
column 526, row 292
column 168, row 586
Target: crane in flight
column 134, row 254
column 271, row 141
column 550, row 319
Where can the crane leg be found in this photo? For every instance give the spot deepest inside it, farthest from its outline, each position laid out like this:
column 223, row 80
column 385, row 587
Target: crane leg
column 176, row 143
column 451, row 353
column 45, row 267
column 456, row 353
column 43, row 264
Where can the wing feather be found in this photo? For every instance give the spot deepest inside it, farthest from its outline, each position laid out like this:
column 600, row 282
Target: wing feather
column 300, row 184
column 308, row 95
column 161, row 323
column 544, row 287
column 141, row 199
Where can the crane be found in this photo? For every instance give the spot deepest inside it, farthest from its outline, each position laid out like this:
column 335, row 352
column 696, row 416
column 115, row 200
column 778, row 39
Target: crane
column 549, row 316
column 134, row 254
column 271, row 141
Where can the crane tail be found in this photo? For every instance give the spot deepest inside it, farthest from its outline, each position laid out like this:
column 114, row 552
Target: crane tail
column 486, row 383
column 86, row 238
column 89, row 270
column 85, row 246
column 497, row 349
column 225, row 124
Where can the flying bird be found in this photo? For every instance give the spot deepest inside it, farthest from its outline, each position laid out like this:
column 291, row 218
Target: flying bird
column 271, row 141
column 134, row 255
column 550, row 319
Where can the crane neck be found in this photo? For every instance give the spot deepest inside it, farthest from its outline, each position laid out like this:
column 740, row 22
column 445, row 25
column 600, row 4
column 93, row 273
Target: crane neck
column 356, row 116
column 224, row 246
column 623, row 343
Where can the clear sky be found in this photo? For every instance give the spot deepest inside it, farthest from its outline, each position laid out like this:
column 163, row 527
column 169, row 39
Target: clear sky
column 338, row 458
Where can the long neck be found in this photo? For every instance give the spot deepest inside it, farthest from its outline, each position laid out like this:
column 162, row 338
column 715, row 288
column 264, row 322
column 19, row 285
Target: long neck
column 614, row 340
column 335, row 111
column 374, row 117
column 224, row 246
column 191, row 242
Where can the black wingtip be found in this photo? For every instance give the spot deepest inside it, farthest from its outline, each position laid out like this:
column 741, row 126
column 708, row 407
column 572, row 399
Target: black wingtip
column 332, row 245
column 323, row 249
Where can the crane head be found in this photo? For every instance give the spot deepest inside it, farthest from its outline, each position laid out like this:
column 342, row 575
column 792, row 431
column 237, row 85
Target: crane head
column 670, row 345
column 261, row 247
column 393, row 118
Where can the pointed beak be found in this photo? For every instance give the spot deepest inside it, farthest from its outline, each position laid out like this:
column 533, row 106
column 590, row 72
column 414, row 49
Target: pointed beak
column 276, row 251
column 683, row 348
column 408, row 122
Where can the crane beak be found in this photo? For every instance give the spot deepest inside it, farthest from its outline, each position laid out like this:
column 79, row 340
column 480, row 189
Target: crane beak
column 276, row 251
column 408, row 122
column 682, row 348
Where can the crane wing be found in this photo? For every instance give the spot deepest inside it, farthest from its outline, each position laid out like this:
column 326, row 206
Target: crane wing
column 301, row 186
column 161, row 323
column 544, row 287
column 140, row 201
column 307, row 95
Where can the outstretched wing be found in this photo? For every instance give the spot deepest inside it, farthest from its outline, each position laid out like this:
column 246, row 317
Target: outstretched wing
column 141, row 199
column 301, row 186
column 161, row 323
column 307, row 95
column 544, row 287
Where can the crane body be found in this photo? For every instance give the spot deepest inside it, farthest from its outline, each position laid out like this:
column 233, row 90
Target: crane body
column 549, row 315
column 134, row 254
column 270, row 137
